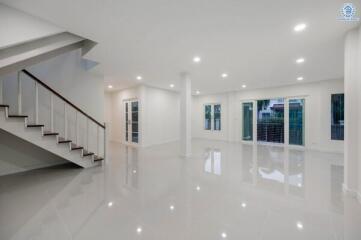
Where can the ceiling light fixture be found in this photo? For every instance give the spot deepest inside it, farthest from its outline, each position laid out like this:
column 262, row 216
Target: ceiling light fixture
column 139, row 230
column 224, row 75
column 171, row 207
column 110, row 204
column 110, row 86
column 244, row 205
column 224, row 235
column 244, row 86
column 139, row 78
column 300, row 27
column 198, row 92
column 171, row 85
column 300, row 225
column 300, row 60
column 300, row 79
column 196, row 59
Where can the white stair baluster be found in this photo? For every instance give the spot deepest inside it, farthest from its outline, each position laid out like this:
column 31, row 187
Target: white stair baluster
column 76, row 128
column 36, row 103
column 87, row 134
column 51, row 112
column 19, row 95
column 1, row 91
column 65, row 122
column 97, row 140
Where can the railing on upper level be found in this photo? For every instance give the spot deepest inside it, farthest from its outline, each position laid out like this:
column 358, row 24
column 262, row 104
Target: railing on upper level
column 67, row 105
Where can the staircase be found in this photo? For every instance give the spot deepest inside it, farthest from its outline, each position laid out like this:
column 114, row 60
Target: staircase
column 82, row 143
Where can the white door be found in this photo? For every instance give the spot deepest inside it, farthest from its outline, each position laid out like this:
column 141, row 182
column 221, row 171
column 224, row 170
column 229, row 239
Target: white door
column 131, row 121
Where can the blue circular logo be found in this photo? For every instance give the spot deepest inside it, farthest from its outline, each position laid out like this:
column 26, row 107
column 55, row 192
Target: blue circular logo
column 348, row 11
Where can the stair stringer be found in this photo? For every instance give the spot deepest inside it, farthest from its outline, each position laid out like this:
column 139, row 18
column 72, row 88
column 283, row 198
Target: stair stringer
column 17, row 127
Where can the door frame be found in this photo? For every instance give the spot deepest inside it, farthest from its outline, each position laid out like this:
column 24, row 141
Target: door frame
column 130, row 143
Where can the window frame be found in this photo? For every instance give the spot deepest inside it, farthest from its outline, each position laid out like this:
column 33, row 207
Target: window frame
column 212, row 117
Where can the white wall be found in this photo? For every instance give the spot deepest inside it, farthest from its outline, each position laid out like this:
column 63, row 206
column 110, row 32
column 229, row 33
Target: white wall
column 352, row 183
column 318, row 112
column 159, row 114
column 17, row 27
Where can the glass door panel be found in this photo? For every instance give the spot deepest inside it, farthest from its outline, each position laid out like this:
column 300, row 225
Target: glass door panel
column 208, row 117
column 247, row 121
column 217, row 117
column 132, row 121
column 296, row 121
column 135, row 132
column 270, row 120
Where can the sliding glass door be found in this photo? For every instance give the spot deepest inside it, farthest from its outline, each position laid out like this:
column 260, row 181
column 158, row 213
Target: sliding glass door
column 296, row 121
column 270, row 120
column 247, row 111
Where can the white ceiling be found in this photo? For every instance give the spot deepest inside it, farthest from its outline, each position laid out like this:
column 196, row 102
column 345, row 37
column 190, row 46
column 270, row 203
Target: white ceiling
column 253, row 41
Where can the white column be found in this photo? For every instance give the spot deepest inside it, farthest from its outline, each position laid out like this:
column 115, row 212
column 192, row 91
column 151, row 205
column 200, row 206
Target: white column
column 185, row 115
column 352, row 176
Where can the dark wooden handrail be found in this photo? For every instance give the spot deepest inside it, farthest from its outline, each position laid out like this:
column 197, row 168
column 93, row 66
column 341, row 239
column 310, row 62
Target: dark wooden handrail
column 61, row 97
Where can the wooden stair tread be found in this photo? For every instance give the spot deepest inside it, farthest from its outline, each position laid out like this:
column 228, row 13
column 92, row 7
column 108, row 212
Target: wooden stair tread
column 35, row 125
column 85, row 154
column 75, row 147
column 98, row 159
column 18, row 116
column 4, row 106
column 48, row 133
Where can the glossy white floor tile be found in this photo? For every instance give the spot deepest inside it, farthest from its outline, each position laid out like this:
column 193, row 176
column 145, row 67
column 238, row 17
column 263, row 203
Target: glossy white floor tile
column 225, row 191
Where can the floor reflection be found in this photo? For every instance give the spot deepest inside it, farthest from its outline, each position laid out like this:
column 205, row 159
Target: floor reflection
column 224, row 191
column 213, row 161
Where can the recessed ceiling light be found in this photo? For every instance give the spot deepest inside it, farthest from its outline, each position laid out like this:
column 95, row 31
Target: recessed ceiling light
column 299, row 225
column 244, row 205
column 171, row 85
column 171, row 207
column 196, row 59
column 198, row 188
column 300, row 60
column 110, row 204
column 110, row 86
column 139, row 230
column 300, row 79
column 244, row 86
column 300, row 27
column 198, row 92
column 224, row 235
column 224, row 75
column 139, row 78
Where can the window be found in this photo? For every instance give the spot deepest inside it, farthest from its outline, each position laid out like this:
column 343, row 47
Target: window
column 217, row 117
column 337, row 116
column 212, row 117
column 247, row 121
column 296, row 121
column 208, row 117
column 270, row 120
